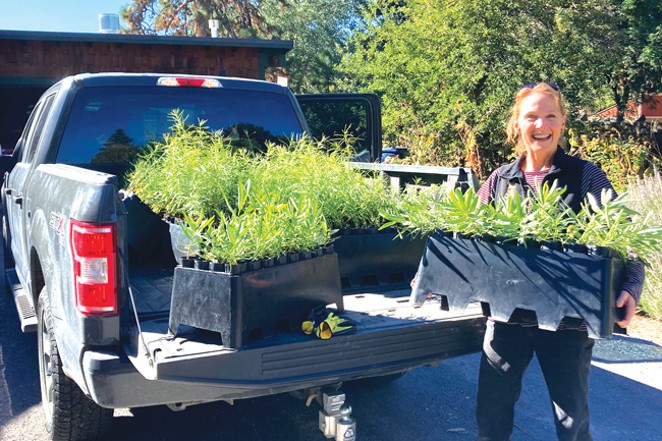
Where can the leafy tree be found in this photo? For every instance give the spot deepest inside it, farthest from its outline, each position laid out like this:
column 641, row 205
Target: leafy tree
column 620, row 43
column 317, row 27
column 447, row 70
column 237, row 18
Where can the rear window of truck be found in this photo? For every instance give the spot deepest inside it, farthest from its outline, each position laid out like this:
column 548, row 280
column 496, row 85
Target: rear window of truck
column 110, row 125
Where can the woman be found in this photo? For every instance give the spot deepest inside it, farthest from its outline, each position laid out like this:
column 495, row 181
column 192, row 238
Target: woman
column 536, row 124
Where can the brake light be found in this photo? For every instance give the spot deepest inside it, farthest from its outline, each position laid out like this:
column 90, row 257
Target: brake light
column 94, row 251
column 188, row 82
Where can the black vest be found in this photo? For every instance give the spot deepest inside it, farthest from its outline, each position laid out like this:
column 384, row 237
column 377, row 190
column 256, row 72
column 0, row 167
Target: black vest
column 566, row 170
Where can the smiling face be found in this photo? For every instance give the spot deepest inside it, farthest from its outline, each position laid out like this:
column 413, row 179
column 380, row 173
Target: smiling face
column 539, row 124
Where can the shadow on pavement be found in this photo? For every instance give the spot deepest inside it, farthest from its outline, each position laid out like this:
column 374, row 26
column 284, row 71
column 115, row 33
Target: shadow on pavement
column 277, row 418
column 622, row 408
column 19, row 368
column 622, row 349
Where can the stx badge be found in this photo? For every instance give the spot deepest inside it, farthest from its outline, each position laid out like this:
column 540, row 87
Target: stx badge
column 56, row 222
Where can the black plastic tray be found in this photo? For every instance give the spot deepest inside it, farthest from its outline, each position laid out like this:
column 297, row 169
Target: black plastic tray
column 377, row 258
column 553, row 284
column 250, row 306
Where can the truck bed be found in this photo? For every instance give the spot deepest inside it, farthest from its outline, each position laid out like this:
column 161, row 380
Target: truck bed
column 391, row 333
column 152, row 288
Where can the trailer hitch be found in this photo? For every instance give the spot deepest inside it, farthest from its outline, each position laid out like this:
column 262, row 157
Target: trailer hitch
column 335, row 420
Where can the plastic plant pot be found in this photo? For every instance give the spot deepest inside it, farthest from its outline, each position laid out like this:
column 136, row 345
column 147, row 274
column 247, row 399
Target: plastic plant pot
column 554, row 284
column 252, row 305
column 377, row 259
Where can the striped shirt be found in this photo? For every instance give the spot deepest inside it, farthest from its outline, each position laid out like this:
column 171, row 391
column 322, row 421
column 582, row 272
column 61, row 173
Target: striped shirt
column 535, row 178
column 593, row 181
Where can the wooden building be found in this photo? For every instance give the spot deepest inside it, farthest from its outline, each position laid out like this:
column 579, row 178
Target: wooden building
column 31, row 61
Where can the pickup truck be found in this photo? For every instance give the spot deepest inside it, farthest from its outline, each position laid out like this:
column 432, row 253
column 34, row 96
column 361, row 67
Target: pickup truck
column 102, row 335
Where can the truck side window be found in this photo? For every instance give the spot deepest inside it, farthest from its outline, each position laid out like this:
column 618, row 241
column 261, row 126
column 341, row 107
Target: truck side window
column 28, row 133
column 32, row 142
column 333, row 118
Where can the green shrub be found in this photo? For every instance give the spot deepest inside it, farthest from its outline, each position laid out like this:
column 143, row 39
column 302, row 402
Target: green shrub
column 455, row 145
column 622, row 151
column 193, row 171
column 321, row 170
column 426, row 146
column 646, row 194
column 262, row 226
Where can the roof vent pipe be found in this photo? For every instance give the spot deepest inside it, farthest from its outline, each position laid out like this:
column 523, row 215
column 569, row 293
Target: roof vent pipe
column 109, row 23
column 213, row 26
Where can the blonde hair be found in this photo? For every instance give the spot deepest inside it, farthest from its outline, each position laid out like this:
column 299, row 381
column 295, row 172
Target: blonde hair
column 542, row 87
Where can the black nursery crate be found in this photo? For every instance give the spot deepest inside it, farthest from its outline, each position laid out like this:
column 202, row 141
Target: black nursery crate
column 253, row 305
column 553, row 284
column 367, row 258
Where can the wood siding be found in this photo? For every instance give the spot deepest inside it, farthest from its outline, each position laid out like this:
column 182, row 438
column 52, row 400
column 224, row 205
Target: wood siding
column 57, row 59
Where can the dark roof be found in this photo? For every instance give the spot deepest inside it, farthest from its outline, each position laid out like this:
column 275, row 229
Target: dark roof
column 149, row 79
column 145, row 39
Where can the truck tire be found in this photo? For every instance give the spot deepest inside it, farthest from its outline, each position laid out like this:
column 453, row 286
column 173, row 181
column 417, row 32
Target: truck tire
column 69, row 414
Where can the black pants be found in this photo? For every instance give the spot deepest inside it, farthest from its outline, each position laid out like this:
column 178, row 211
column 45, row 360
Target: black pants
column 565, row 360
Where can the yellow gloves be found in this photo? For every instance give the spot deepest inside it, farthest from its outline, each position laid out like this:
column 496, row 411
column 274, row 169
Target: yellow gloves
column 328, row 327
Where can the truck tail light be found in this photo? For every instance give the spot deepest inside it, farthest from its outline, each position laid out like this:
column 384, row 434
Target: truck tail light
column 94, row 251
column 188, row 82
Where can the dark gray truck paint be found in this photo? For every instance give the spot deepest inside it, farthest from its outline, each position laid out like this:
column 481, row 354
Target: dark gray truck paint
column 105, row 356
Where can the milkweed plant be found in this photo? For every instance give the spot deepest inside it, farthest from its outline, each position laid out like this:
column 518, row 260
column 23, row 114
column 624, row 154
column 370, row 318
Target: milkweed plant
column 234, row 204
column 604, row 220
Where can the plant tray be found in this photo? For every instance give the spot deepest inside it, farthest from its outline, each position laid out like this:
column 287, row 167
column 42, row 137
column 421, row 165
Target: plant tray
column 377, row 258
column 252, row 305
column 556, row 285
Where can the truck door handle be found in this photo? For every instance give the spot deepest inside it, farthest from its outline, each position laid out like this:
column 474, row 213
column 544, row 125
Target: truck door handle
column 18, row 199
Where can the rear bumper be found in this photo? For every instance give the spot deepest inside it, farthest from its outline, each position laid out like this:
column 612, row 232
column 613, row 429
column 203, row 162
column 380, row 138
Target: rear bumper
column 278, row 367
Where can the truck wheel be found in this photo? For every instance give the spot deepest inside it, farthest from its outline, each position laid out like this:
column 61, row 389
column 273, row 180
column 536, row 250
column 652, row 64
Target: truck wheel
column 70, row 415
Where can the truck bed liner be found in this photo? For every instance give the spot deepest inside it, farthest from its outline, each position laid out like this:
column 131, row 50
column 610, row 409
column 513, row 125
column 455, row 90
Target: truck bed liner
column 152, row 288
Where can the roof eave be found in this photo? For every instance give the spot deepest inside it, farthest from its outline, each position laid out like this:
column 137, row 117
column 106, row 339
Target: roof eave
column 145, row 39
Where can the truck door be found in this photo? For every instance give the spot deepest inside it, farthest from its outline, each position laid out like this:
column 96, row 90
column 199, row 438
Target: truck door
column 17, row 215
column 358, row 114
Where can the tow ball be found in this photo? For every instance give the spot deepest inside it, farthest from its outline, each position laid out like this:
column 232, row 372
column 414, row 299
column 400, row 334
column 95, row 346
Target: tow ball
column 335, row 420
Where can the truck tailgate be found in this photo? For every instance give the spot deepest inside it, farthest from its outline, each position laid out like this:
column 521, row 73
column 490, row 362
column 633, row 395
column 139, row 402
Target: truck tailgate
column 391, row 336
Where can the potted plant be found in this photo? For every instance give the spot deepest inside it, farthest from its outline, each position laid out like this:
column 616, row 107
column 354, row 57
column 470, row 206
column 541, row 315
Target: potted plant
column 505, row 257
column 250, row 302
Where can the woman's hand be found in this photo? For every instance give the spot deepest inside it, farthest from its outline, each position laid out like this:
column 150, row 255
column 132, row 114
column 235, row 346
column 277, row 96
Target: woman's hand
column 625, row 302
